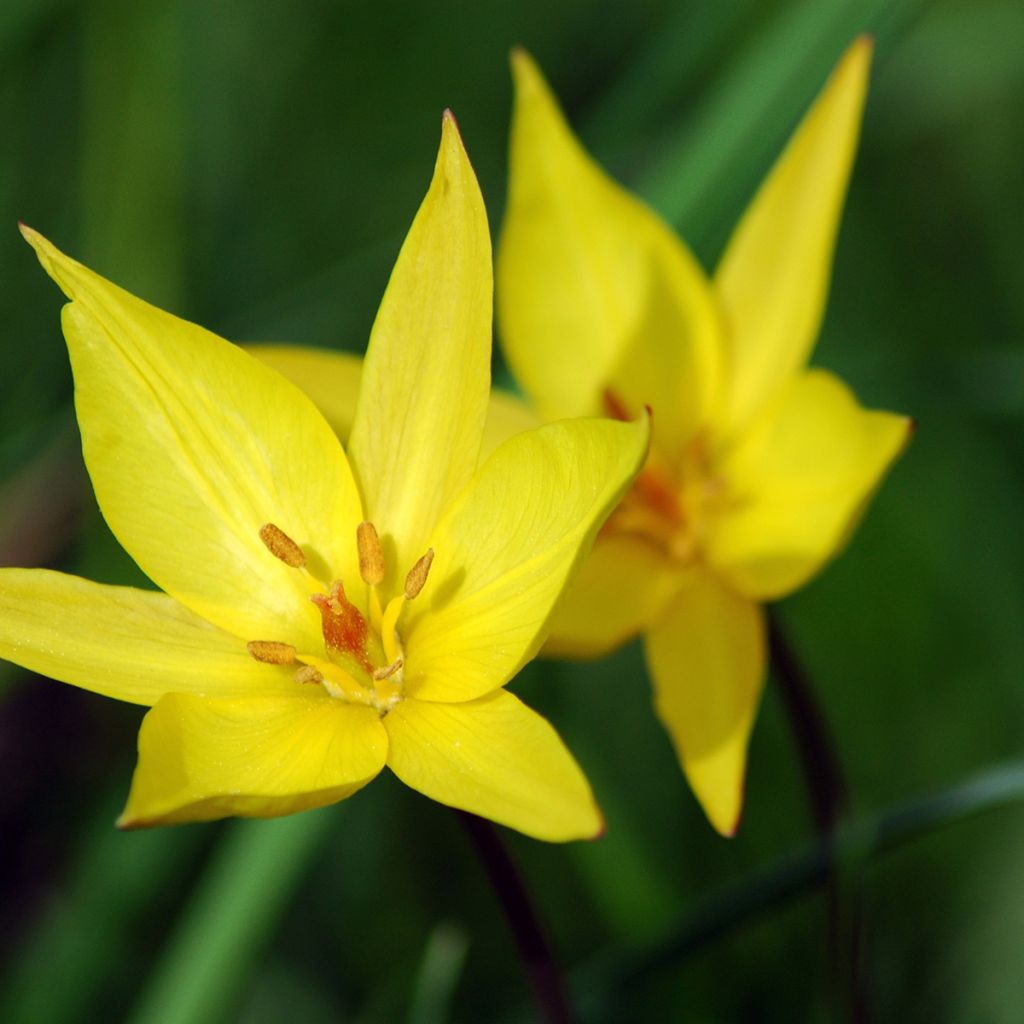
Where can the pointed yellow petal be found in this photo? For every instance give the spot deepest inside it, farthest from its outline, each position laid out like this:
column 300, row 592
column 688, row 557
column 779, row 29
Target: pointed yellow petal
column 506, row 549
column 134, row 645
column 621, row 589
column 707, row 662
column 192, row 447
column 330, row 379
column 494, row 757
column 800, row 479
column 507, row 415
column 259, row 757
column 592, row 286
column 773, row 279
column 420, row 416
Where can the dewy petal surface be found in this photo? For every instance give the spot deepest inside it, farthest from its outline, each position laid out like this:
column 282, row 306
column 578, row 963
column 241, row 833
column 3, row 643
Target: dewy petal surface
column 192, row 446
column 331, row 379
column 506, row 549
column 801, row 476
column 622, row 588
column 415, row 440
column 583, row 266
column 494, row 757
column 133, row 645
column 707, row 661
column 201, row 759
column 773, row 278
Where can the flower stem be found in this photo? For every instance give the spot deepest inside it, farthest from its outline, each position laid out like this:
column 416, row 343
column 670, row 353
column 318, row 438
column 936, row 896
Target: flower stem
column 542, row 969
column 828, row 795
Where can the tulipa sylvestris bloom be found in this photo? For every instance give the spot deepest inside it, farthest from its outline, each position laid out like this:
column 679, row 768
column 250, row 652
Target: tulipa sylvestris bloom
column 324, row 616
column 759, row 467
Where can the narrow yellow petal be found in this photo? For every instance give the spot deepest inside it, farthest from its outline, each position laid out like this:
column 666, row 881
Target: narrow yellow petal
column 192, row 447
column 494, row 757
column 507, row 548
column 259, row 757
column 800, row 478
column 134, row 645
column 592, row 287
column 773, row 278
column 507, row 415
column 621, row 589
column 420, row 415
column 707, row 662
column 330, row 379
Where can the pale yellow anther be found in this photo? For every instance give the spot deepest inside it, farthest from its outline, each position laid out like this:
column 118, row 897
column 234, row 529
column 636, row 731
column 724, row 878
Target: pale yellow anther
column 280, row 545
column 308, row 674
column 388, row 670
column 271, row 652
column 417, row 577
column 371, row 554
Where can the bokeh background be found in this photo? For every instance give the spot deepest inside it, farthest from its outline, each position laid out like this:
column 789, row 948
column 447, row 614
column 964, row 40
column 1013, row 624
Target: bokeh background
column 254, row 167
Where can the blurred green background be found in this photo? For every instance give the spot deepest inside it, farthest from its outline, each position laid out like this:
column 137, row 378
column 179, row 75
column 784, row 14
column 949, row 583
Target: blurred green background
column 254, row 167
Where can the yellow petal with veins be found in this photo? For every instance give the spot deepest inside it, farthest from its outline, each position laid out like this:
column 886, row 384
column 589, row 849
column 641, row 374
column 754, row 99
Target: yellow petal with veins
column 420, row 415
column 773, row 278
column 193, row 446
column 707, row 661
column 799, row 480
column 258, row 757
column 592, row 286
column 621, row 589
column 331, row 379
column 494, row 757
column 133, row 645
column 507, row 548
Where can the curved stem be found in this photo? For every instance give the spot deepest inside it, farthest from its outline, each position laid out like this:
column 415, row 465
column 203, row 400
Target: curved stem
column 542, row 969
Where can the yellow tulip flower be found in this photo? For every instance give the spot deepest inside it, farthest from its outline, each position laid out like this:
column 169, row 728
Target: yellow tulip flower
column 759, row 467
column 295, row 650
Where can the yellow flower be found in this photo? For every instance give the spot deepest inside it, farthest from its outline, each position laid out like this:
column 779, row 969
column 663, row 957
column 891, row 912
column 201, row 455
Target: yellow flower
column 295, row 650
column 759, row 467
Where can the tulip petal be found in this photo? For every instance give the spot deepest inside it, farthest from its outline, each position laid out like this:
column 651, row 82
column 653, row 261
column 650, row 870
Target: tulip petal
column 192, row 447
column 707, row 661
column 593, row 286
column 494, row 757
column 773, row 278
column 133, row 645
column 799, row 481
column 506, row 549
column 259, row 757
column 621, row 589
column 416, row 436
column 331, row 379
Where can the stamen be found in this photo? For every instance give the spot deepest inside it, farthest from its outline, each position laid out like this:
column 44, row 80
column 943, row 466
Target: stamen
column 271, row 652
column 388, row 670
column 280, row 545
column 417, row 577
column 371, row 554
column 308, row 674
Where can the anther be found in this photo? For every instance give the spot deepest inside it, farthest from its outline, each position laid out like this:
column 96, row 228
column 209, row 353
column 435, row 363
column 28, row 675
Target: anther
column 308, row 674
column 417, row 576
column 388, row 670
column 271, row 652
column 371, row 554
column 280, row 545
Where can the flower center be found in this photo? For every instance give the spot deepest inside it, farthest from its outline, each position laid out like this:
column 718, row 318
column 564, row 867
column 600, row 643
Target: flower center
column 671, row 504
column 363, row 660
